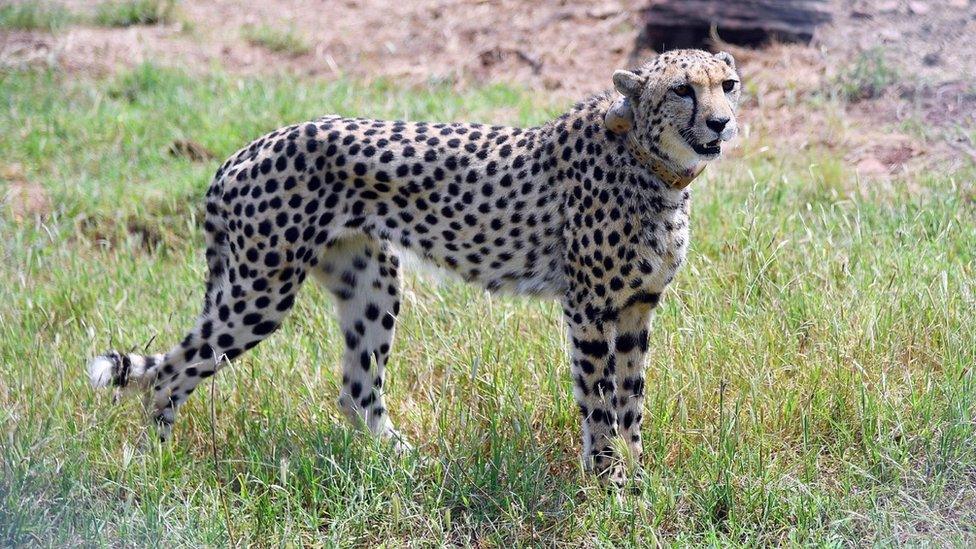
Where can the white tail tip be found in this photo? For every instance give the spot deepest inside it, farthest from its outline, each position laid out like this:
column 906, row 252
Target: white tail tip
column 100, row 371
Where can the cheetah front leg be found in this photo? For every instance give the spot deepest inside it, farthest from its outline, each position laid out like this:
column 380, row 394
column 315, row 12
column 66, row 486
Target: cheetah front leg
column 592, row 366
column 630, row 348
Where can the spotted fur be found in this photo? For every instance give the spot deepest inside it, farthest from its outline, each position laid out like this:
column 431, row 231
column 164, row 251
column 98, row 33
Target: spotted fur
column 571, row 210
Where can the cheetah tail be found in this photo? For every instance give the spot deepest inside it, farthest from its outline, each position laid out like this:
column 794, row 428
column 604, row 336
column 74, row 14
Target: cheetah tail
column 124, row 370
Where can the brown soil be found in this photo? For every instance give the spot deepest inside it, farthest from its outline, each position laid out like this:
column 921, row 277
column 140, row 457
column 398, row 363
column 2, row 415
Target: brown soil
column 925, row 44
column 26, row 199
column 566, row 46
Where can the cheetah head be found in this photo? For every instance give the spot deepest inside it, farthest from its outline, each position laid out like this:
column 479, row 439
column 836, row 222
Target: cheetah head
column 680, row 106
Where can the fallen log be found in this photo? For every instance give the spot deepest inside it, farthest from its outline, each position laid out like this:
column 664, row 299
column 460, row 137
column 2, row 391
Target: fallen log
column 672, row 24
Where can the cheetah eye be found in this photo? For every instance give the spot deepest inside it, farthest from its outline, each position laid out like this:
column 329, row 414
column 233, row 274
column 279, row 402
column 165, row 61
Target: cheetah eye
column 729, row 85
column 684, row 90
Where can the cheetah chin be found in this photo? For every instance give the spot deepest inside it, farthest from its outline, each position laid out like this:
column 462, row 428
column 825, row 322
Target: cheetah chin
column 590, row 209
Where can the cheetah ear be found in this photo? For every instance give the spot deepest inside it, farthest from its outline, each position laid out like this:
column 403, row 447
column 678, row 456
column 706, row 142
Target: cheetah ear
column 620, row 117
column 727, row 57
column 628, row 83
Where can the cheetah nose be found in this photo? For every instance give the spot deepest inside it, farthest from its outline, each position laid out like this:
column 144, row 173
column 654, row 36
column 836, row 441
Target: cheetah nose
column 717, row 124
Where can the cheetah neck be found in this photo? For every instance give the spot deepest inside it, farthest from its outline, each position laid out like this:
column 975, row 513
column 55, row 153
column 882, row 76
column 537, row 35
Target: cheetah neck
column 675, row 180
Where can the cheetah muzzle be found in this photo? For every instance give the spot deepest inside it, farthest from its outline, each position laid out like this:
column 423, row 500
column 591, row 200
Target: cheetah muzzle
column 591, row 209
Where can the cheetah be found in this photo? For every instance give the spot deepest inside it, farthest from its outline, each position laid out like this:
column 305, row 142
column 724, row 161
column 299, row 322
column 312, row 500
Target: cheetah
column 591, row 209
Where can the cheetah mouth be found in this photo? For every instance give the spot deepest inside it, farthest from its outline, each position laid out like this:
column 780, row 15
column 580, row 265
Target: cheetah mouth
column 707, row 149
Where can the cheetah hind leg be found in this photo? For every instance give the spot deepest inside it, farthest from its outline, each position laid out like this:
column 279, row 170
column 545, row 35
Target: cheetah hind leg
column 232, row 322
column 363, row 275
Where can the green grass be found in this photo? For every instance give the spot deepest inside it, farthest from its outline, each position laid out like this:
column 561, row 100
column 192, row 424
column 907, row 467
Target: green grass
column 125, row 13
column 50, row 16
column 34, row 15
column 276, row 40
column 867, row 77
column 811, row 380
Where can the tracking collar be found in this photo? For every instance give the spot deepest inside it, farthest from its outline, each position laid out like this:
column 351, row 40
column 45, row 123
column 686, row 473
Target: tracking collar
column 669, row 177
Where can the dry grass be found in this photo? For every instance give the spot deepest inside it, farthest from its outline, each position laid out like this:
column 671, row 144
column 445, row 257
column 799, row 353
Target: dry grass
column 126, row 13
column 276, row 40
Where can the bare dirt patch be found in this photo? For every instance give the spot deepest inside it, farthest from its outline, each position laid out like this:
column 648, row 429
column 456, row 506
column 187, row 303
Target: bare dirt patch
column 919, row 50
column 26, row 199
column 554, row 45
column 195, row 152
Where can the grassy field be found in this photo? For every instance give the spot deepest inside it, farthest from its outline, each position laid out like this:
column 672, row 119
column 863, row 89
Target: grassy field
column 51, row 16
column 811, row 379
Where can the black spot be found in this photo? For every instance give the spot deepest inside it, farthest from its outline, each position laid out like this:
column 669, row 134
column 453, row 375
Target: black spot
column 265, row 328
column 251, row 319
column 272, row 259
column 626, row 343
column 596, row 348
column 285, row 303
column 372, row 312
